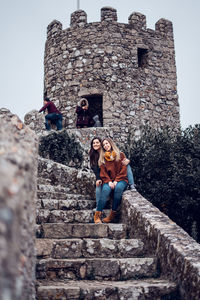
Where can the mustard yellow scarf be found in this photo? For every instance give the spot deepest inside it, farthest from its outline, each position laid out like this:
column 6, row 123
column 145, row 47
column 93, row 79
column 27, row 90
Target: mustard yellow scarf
column 110, row 156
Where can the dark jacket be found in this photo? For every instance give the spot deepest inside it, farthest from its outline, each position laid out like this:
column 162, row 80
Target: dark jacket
column 96, row 171
column 84, row 118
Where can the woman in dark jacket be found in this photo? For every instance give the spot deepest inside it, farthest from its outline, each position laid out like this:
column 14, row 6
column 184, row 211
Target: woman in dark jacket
column 94, row 157
column 84, row 118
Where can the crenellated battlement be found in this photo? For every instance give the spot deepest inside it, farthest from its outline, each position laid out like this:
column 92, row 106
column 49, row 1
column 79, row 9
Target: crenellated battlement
column 125, row 70
column 136, row 20
column 54, row 26
column 108, row 14
column 78, row 18
column 165, row 27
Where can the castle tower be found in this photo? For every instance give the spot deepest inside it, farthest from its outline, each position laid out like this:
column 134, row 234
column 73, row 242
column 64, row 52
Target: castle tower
column 126, row 71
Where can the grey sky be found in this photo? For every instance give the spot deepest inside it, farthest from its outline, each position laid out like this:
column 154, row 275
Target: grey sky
column 23, row 26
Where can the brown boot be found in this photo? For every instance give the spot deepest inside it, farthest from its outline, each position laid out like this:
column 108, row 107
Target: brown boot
column 97, row 216
column 111, row 217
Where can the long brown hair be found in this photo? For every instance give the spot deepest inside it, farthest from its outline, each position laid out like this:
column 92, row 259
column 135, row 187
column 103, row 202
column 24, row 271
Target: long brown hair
column 102, row 151
column 94, row 154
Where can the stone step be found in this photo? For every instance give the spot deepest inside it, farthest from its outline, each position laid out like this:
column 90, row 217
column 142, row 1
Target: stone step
column 52, row 188
column 87, row 248
column 45, row 181
column 68, row 230
column 71, row 203
column 67, row 216
column 97, row 268
column 152, row 289
column 56, row 192
column 53, row 195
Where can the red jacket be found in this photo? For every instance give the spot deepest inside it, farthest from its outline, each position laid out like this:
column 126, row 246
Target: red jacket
column 114, row 170
column 51, row 108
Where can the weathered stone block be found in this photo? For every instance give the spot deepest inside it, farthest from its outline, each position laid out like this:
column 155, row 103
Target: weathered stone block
column 18, row 171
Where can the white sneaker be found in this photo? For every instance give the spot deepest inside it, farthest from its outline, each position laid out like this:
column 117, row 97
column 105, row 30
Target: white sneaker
column 132, row 188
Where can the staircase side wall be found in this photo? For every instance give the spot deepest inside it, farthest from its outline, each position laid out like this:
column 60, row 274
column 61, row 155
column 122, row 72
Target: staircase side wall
column 18, row 175
column 76, row 181
column 178, row 253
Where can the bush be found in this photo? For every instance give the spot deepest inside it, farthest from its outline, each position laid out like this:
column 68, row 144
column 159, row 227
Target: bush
column 61, row 148
column 166, row 168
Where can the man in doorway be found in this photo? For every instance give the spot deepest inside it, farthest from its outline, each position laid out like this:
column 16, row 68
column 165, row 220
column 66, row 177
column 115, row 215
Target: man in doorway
column 54, row 115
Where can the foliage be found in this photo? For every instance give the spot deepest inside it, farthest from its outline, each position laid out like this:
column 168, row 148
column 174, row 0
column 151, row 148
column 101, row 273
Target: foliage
column 60, row 147
column 166, row 167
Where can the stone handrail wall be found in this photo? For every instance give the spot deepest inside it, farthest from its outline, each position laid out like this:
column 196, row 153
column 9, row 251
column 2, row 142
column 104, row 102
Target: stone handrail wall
column 18, row 175
column 178, row 253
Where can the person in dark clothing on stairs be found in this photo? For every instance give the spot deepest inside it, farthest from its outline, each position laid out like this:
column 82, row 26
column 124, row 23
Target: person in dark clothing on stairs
column 54, row 115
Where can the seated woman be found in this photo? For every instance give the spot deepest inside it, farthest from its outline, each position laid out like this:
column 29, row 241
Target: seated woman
column 114, row 177
column 95, row 148
column 94, row 157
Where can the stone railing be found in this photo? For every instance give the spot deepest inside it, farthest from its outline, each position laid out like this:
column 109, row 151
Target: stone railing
column 178, row 253
column 18, row 175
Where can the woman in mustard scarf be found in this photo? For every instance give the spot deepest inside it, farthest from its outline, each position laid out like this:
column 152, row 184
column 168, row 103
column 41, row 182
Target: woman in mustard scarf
column 114, row 177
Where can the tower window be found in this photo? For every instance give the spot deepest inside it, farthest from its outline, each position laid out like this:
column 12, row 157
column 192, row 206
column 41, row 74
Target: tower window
column 142, row 57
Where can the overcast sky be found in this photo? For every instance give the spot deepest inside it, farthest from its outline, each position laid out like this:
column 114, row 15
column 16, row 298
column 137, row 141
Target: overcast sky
column 23, row 25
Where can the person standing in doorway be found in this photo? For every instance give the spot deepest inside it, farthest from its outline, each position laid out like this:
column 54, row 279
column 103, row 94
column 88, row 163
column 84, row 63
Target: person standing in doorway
column 84, row 118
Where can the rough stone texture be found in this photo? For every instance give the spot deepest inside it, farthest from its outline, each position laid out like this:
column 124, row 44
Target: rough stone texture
column 178, row 253
column 67, row 230
column 103, row 59
column 79, row 252
column 75, row 181
column 72, row 248
column 35, row 120
column 18, row 175
column 97, row 268
column 151, row 289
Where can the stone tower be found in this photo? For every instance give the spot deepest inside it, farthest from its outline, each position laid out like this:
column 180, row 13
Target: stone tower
column 126, row 71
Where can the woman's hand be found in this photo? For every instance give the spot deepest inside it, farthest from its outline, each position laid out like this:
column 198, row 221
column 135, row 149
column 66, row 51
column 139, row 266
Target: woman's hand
column 125, row 161
column 111, row 185
column 115, row 183
column 98, row 182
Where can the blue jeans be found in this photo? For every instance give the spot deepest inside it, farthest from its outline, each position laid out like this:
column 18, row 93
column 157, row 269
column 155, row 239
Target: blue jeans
column 130, row 175
column 106, row 190
column 57, row 118
column 98, row 193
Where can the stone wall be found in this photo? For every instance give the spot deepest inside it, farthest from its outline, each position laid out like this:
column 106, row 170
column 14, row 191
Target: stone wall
column 178, row 253
column 18, row 175
column 76, row 181
column 130, row 66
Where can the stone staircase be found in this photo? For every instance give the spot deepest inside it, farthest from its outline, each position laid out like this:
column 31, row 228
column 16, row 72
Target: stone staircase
column 77, row 259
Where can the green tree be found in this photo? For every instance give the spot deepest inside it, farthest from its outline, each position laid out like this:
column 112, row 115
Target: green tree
column 61, row 148
column 166, row 168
